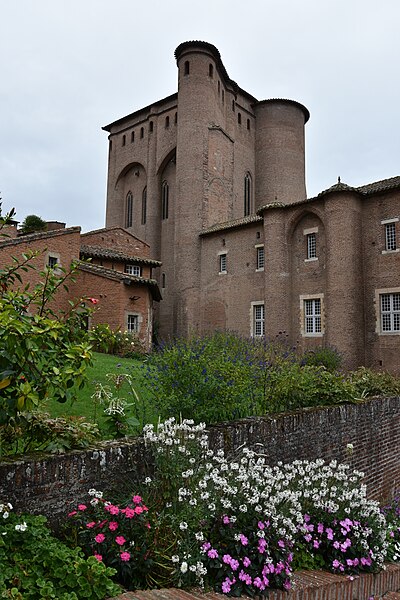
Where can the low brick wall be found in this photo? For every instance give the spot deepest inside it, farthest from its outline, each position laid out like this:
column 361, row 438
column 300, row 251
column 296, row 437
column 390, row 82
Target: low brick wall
column 48, row 484
column 308, row 585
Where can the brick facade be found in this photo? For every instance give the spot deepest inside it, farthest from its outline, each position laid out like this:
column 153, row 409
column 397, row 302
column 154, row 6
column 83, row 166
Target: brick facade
column 106, row 256
column 234, row 168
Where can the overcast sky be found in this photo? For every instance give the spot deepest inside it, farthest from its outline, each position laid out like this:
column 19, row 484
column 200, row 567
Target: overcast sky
column 69, row 67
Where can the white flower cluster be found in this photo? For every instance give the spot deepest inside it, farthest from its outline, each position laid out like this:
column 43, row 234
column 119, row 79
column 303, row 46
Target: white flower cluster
column 5, row 510
column 116, row 406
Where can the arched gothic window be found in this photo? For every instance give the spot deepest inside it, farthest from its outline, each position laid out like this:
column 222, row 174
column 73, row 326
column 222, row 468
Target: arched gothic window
column 247, row 194
column 144, row 206
column 164, row 200
column 129, row 210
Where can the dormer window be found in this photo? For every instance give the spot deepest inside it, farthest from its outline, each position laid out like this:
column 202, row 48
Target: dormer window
column 134, row 270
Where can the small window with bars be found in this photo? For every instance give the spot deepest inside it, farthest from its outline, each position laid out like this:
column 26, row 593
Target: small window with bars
column 258, row 320
column 390, row 236
column 260, row 258
column 312, row 316
column 390, row 312
column 311, row 246
column 222, row 263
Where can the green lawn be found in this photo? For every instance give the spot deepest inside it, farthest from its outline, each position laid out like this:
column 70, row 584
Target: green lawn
column 103, row 364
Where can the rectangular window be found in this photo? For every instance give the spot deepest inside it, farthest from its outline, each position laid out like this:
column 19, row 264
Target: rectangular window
column 222, row 263
column 260, row 258
column 312, row 316
column 311, row 246
column 133, row 323
column 133, row 270
column 390, row 312
column 258, row 320
column 390, row 236
column 52, row 262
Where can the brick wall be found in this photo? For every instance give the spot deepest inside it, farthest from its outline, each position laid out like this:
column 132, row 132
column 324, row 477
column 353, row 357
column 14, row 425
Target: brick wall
column 49, row 484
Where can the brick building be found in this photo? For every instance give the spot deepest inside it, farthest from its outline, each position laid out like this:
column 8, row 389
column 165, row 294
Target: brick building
column 118, row 274
column 214, row 181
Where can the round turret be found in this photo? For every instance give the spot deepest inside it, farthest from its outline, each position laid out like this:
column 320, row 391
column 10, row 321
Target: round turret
column 280, row 152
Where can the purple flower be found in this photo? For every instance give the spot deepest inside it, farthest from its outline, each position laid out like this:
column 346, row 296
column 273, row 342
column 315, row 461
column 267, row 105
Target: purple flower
column 243, row 540
column 212, row 553
column 246, row 561
column 226, row 586
column 260, row 584
column 329, row 533
column 281, row 544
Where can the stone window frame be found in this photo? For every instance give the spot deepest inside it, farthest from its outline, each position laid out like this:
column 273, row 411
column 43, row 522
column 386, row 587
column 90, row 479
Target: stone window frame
column 387, row 224
column 311, row 240
column 133, row 318
column 254, row 319
column 378, row 310
column 260, row 257
column 49, row 257
column 304, row 298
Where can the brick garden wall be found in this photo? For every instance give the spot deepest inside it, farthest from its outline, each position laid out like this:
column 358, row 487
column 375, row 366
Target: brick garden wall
column 48, row 484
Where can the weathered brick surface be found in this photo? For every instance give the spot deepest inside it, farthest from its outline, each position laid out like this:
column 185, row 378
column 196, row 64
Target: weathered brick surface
column 49, row 484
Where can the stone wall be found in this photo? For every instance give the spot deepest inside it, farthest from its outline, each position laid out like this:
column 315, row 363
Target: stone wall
column 51, row 484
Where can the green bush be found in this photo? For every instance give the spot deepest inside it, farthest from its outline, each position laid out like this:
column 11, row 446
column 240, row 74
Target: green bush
column 34, row 564
column 223, row 376
column 368, row 383
column 42, row 354
column 327, row 357
column 122, row 343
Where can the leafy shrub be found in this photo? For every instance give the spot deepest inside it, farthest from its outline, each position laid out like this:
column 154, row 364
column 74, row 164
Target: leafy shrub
column 368, row 383
column 42, row 354
column 38, row 431
column 122, row 343
column 223, row 377
column 327, row 357
column 34, row 564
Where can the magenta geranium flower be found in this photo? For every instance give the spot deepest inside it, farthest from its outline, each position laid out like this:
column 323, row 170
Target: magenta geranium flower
column 125, row 556
column 137, row 499
column 113, row 525
column 120, row 540
column 91, row 524
column 100, row 537
column 99, row 557
column 82, row 507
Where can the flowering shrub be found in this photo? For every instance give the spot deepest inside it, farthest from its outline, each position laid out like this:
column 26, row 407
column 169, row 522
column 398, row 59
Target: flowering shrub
column 34, row 564
column 116, row 535
column 237, row 525
column 248, row 518
column 392, row 515
column 123, row 343
column 245, row 377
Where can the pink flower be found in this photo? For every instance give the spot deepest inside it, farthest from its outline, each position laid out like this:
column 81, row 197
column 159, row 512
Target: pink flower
column 71, row 514
column 287, row 584
column 113, row 510
column 281, row 544
column 138, row 510
column 82, row 507
column 261, row 525
column 246, row 561
column 137, row 499
column 120, row 540
column 99, row 557
column 226, row 520
column 129, row 512
column 243, row 540
column 93, row 300
column 226, row 586
column 113, row 525
column 125, row 556
column 212, row 553
column 91, row 524
column 100, row 537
